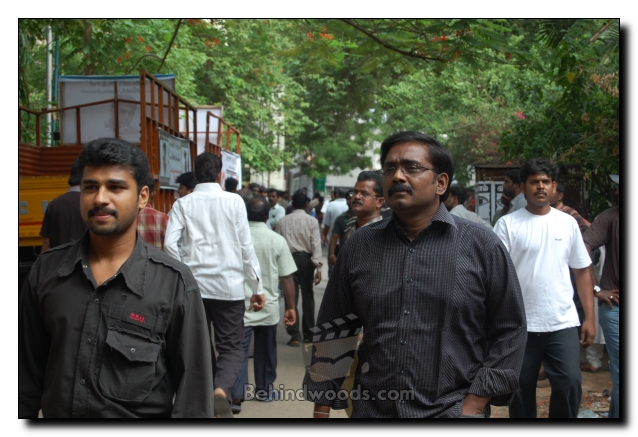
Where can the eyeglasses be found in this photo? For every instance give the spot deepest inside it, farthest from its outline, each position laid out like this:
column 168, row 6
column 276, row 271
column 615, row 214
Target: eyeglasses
column 363, row 194
column 389, row 171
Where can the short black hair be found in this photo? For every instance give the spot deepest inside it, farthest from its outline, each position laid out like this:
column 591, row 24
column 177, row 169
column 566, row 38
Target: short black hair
column 75, row 176
column 273, row 190
column 514, row 175
column 263, row 189
column 231, row 184
column 187, row 179
column 299, row 200
column 539, row 166
column 150, row 183
column 460, row 192
column 253, row 185
column 367, row 175
column 342, row 193
column 441, row 158
column 207, row 167
column 257, row 209
column 560, row 187
column 115, row 151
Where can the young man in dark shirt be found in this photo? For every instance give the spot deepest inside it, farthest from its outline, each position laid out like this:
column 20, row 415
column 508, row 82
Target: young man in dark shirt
column 110, row 326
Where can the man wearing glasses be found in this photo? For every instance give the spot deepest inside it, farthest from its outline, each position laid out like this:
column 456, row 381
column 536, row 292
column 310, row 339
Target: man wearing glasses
column 437, row 296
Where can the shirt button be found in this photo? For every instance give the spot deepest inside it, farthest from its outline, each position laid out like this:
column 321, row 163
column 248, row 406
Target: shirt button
column 401, row 372
column 132, row 350
column 404, row 342
column 411, row 250
column 88, row 340
column 86, row 267
column 401, row 401
column 406, row 312
column 409, row 279
column 82, row 381
column 97, row 301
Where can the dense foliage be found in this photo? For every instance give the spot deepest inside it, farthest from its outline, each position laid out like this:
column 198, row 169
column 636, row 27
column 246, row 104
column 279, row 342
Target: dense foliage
column 491, row 90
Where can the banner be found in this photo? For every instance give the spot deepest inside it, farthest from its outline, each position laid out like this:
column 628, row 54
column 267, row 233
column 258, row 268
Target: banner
column 231, row 167
column 99, row 120
column 175, row 159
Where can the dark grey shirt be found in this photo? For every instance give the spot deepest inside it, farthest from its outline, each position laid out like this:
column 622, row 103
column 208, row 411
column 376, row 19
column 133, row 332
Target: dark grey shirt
column 136, row 346
column 442, row 317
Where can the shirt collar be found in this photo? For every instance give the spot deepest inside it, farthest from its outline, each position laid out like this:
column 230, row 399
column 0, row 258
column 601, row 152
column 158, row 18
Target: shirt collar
column 441, row 215
column 298, row 211
column 457, row 208
column 75, row 188
column 134, row 275
column 208, row 186
column 257, row 225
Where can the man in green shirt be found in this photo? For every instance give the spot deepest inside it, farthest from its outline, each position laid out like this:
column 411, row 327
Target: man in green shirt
column 277, row 264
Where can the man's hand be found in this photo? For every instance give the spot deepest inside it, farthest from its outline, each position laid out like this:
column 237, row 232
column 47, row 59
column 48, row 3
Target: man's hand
column 289, row 318
column 332, row 259
column 609, row 296
column 317, row 276
column 587, row 333
column 257, row 302
column 473, row 404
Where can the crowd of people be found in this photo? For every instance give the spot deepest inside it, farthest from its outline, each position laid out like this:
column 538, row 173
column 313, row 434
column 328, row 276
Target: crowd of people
column 429, row 311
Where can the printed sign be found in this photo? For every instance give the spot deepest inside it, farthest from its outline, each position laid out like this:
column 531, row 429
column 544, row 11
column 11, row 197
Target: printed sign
column 175, row 159
column 231, row 167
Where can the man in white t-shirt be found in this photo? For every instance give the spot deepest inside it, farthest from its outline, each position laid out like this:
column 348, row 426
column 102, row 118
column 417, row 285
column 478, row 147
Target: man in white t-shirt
column 544, row 244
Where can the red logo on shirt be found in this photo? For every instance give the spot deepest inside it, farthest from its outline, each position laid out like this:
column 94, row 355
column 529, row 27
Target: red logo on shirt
column 137, row 317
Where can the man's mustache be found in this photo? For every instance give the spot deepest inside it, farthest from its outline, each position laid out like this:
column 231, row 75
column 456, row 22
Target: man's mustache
column 102, row 211
column 400, row 187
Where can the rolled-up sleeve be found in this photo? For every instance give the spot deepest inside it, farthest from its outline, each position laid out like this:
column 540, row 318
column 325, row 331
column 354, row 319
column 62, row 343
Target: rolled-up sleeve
column 505, row 331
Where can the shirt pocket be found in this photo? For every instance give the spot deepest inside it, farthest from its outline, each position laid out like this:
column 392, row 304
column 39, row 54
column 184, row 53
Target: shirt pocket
column 128, row 367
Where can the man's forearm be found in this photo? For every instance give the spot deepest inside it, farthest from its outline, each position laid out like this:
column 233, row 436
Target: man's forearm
column 585, row 290
column 288, row 285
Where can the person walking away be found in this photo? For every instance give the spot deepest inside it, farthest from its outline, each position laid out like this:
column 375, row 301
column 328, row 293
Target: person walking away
column 301, row 232
column 216, row 245
column 277, row 266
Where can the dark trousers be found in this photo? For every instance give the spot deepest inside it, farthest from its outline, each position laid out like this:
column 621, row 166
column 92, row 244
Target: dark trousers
column 559, row 352
column 265, row 360
column 303, row 280
column 227, row 318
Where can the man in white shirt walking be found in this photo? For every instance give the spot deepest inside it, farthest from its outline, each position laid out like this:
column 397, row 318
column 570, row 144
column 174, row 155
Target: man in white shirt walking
column 217, row 247
column 544, row 244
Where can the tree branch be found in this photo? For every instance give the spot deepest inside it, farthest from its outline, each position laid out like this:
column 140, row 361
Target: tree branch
column 601, row 30
column 170, row 44
column 149, row 55
column 389, row 46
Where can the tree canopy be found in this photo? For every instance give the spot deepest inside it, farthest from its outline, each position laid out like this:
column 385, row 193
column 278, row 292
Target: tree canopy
column 493, row 91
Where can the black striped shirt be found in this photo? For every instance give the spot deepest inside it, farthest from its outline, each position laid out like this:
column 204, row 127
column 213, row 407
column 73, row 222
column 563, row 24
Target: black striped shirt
column 442, row 317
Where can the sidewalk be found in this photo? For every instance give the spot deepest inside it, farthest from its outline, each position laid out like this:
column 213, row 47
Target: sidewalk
column 291, row 367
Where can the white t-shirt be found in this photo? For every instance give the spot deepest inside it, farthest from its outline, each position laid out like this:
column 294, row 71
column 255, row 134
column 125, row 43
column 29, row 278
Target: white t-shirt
column 542, row 248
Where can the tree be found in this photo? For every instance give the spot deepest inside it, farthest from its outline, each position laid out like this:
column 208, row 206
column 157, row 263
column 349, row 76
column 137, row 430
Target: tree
column 579, row 124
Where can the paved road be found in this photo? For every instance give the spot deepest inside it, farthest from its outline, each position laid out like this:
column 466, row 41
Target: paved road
column 291, row 364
